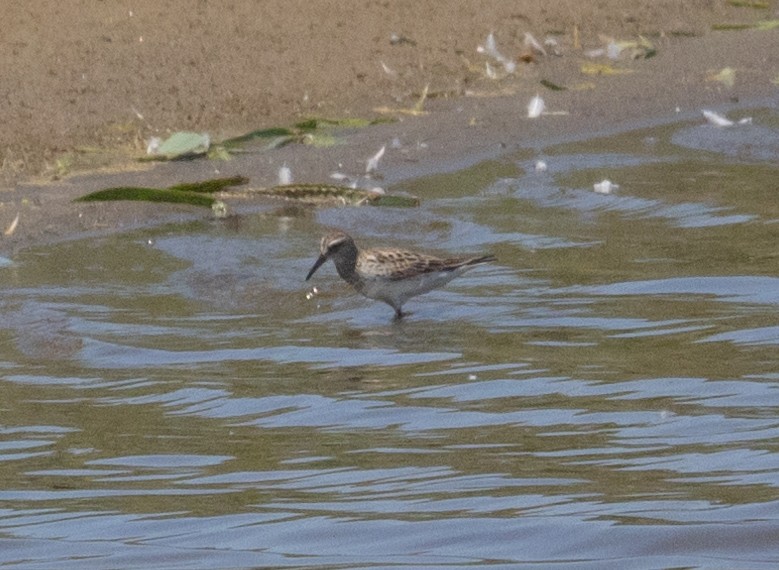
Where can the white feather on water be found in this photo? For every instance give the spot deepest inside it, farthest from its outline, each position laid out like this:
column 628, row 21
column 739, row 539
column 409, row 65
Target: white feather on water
column 12, row 228
column 605, row 187
column 536, row 107
column 373, row 162
column 721, row 121
column 285, row 176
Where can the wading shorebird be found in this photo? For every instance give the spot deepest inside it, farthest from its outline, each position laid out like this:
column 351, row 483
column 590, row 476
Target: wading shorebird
column 388, row 274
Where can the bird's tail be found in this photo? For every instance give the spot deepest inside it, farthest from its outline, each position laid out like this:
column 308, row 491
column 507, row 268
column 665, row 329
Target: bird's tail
column 480, row 260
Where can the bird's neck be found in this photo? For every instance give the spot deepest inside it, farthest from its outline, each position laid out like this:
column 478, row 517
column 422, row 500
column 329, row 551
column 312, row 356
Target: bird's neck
column 346, row 264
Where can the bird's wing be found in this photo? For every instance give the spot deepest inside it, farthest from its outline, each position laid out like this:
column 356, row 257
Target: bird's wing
column 400, row 264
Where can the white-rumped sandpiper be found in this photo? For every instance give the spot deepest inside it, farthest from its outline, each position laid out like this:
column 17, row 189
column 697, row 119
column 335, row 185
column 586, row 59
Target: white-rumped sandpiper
column 388, row 274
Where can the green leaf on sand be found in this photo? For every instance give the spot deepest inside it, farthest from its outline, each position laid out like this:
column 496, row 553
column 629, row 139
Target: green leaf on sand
column 767, row 24
column 727, row 27
column 328, row 195
column 210, row 186
column 553, row 86
column 219, row 152
column 139, row 194
column 201, row 194
column 183, row 144
column 346, row 123
column 749, row 4
column 274, row 132
column 195, row 193
column 282, row 135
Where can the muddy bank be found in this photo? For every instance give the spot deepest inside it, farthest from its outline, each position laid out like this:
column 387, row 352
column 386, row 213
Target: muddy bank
column 87, row 84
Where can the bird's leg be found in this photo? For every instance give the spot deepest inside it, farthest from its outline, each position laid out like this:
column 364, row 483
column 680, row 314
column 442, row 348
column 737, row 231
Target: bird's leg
column 398, row 314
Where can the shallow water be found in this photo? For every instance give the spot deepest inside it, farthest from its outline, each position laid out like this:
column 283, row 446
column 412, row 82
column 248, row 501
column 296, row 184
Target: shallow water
column 605, row 396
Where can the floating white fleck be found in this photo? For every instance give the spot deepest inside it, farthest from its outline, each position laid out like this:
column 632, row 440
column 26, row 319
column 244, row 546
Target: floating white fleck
column 311, row 294
column 605, row 187
column 373, row 162
column 535, row 107
column 285, row 176
column 541, row 166
column 472, row 377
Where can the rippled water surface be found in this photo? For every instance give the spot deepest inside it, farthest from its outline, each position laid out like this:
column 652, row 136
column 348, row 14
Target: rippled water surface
column 605, row 396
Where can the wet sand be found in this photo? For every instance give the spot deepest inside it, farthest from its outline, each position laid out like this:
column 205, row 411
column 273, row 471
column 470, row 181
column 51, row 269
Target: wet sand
column 87, row 84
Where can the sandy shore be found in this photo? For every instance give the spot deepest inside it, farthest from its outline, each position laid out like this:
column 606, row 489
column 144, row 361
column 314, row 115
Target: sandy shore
column 86, row 84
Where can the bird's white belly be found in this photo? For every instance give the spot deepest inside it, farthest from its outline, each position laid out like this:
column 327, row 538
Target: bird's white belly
column 398, row 291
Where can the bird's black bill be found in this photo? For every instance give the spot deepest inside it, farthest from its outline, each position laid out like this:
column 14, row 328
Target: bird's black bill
column 317, row 265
